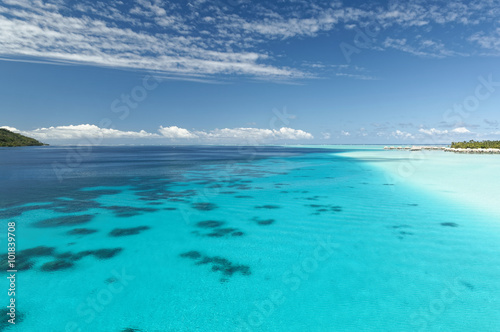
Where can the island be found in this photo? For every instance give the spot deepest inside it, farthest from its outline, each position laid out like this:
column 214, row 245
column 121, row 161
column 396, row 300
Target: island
column 10, row 139
column 476, row 145
column 488, row 147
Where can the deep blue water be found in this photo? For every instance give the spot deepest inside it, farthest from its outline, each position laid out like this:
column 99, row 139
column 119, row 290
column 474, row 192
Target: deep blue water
column 239, row 239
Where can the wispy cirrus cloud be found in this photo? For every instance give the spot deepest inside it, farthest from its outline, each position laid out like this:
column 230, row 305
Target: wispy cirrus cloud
column 489, row 42
column 423, row 48
column 44, row 30
column 205, row 38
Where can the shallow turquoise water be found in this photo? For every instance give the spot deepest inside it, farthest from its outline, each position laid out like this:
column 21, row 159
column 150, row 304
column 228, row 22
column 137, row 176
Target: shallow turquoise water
column 291, row 240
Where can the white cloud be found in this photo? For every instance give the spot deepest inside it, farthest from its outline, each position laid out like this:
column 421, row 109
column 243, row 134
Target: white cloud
column 437, row 132
column 14, row 130
column 402, row 134
column 166, row 134
column 326, row 135
column 176, row 132
column 433, row 131
column 423, row 48
column 254, row 134
column 37, row 31
column 489, row 41
column 356, row 76
column 83, row 131
column 461, row 130
column 345, row 133
column 198, row 38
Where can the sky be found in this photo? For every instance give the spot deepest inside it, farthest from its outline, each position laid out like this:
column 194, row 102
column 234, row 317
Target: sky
column 250, row 72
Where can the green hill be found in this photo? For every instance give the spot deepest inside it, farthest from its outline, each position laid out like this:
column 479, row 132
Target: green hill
column 8, row 138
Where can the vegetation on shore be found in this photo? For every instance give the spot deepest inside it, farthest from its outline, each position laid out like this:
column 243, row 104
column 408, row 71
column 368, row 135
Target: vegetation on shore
column 10, row 139
column 476, row 145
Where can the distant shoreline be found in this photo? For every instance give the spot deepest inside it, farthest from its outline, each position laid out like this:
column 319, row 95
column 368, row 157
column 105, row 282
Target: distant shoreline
column 445, row 149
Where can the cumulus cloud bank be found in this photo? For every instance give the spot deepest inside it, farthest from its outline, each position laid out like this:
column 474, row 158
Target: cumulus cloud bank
column 250, row 134
column 79, row 132
column 434, row 131
column 402, row 134
column 166, row 134
column 176, row 132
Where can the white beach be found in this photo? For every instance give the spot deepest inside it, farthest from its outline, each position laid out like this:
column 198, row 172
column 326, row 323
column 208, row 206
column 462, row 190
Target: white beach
column 466, row 178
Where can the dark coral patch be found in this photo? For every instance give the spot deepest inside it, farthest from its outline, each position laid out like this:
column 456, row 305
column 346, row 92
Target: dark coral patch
column 98, row 253
column 20, row 265
column 81, row 231
column 265, row 222
column 449, row 224
column 17, row 211
column 178, row 200
column 36, row 252
column 4, row 323
column 111, row 280
column 210, row 224
column 128, row 211
column 25, row 258
column 170, row 209
column 216, row 229
column 218, row 264
column 91, row 194
column 73, row 205
column 313, row 198
column 243, row 196
column 221, row 232
column 81, row 254
column 64, row 221
column 322, row 208
column 467, row 284
column 128, row 231
column 106, row 253
column 191, row 254
column 56, row 265
column 399, row 226
column 204, row 206
column 269, row 207
column 244, row 187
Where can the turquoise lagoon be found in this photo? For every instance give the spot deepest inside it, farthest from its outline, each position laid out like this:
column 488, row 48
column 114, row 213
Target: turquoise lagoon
column 220, row 238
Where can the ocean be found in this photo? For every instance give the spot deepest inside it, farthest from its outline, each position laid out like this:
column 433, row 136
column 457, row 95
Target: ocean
column 237, row 238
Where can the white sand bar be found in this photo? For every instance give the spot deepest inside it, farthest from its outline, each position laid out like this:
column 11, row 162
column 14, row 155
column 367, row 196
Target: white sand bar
column 471, row 179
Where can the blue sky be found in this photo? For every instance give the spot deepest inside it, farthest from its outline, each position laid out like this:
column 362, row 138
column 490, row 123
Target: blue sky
column 250, row 72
